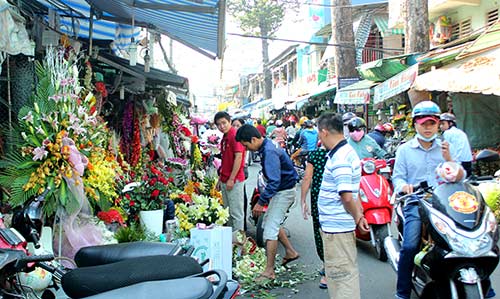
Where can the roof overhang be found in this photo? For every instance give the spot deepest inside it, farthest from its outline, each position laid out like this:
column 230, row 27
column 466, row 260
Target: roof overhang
column 198, row 25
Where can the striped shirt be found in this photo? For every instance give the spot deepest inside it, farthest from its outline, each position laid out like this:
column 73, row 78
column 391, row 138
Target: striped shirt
column 342, row 174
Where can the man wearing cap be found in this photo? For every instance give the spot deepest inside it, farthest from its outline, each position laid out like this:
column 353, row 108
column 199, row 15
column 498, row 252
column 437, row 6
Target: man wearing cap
column 416, row 161
column 458, row 139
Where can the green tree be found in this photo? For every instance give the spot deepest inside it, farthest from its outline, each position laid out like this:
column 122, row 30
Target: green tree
column 261, row 18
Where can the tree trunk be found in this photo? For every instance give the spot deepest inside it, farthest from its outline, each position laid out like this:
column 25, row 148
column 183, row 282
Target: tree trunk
column 268, row 82
column 417, row 26
column 343, row 35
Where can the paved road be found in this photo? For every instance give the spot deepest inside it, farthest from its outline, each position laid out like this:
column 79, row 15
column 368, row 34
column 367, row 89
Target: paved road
column 378, row 280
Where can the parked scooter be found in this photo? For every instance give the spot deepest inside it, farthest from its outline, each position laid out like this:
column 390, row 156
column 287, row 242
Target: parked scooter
column 105, row 271
column 459, row 236
column 375, row 193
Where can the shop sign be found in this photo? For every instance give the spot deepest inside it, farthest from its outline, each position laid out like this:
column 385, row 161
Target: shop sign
column 395, row 85
column 344, row 82
column 361, row 96
column 311, row 78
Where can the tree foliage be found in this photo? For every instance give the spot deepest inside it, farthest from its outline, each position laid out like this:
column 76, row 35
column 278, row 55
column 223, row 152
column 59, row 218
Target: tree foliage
column 258, row 17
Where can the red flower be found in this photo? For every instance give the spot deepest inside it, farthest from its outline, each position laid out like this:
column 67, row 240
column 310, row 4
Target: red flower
column 186, row 131
column 194, row 139
column 155, row 193
column 132, row 203
column 152, row 181
column 92, row 110
column 169, row 169
column 127, row 196
column 110, row 216
column 163, row 181
column 170, row 179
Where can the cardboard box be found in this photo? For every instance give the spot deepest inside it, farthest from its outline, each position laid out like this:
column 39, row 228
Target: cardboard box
column 214, row 244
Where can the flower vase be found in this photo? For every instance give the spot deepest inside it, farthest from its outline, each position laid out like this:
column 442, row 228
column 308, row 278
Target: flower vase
column 152, row 221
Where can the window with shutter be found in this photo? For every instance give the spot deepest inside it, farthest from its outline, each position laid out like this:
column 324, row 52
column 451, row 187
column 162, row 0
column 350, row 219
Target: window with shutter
column 465, row 28
column 461, row 29
column 491, row 17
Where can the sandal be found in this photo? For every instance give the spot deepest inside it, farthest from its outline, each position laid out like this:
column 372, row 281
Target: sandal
column 322, row 285
column 286, row 260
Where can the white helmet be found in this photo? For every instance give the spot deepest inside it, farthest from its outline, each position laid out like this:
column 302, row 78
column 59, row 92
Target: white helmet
column 279, row 123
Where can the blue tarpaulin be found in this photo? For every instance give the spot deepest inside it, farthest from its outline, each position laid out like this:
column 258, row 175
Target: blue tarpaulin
column 198, row 25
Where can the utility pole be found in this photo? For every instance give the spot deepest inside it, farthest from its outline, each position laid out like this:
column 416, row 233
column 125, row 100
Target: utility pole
column 417, row 26
column 343, row 35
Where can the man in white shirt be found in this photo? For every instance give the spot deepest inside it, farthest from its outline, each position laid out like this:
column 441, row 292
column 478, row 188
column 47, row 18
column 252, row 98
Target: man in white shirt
column 339, row 210
column 458, row 139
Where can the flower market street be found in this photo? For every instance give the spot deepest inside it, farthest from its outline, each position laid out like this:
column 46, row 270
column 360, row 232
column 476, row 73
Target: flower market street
column 377, row 279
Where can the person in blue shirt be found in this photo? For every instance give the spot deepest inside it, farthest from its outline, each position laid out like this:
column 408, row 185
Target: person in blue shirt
column 458, row 139
column 378, row 134
column 363, row 144
column 416, row 161
column 279, row 194
column 308, row 137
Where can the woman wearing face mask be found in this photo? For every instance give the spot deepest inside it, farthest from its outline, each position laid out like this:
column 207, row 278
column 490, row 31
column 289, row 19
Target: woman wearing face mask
column 363, row 144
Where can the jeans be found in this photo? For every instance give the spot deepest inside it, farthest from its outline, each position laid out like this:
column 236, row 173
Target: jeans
column 411, row 240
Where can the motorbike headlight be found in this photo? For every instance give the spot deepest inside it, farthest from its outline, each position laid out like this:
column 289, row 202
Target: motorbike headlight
column 363, row 196
column 461, row 244
column 369, row 167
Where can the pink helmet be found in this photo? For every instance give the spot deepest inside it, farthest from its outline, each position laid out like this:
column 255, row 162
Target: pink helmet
column 380, row 128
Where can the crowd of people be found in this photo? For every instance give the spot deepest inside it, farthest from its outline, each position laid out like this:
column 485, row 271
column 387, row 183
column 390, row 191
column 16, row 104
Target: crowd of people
column 330, row 149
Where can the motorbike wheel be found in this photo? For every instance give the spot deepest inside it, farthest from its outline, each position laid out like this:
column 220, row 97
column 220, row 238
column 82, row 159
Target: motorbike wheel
column 380, row 232
column 259, row 232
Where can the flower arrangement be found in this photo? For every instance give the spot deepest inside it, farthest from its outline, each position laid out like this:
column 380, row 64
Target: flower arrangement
column 101, row 178
column 200, row 209
column 199, row 202
column 150, row 193
column 57, row 131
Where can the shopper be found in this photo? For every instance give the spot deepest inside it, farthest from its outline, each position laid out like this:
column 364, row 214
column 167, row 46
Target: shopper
column 313, row 176
column 339, row 210
column 278, row 194
column 458, row 139
column 231, row 176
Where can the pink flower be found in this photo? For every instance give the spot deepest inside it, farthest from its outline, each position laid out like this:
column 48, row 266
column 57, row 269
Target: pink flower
column 39, row 153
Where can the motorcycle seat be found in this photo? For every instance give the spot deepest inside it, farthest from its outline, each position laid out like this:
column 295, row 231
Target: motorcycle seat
column 186, row 288
column 88, row 281
column 105, row 254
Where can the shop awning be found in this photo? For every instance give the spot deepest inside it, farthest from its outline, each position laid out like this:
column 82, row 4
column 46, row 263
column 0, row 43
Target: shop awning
column 357, row 93
column 153, row 77
column 321, row 90
column 292, row 104
column 196, row 24
column 395, row 85
column 478, row 73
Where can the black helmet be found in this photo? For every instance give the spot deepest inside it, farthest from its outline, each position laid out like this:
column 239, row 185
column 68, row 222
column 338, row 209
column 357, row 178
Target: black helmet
column 347, row 117
column 356, row 124
column 448, row 116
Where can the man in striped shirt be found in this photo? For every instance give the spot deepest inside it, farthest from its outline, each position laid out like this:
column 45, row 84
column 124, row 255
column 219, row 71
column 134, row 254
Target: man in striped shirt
column 339, row 210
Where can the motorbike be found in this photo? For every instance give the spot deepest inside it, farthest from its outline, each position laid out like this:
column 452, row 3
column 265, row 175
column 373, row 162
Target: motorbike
column 126, row 270
column 459, row 236
column 374, row 193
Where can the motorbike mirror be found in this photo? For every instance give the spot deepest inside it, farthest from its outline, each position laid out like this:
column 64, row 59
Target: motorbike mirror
column 487, row 155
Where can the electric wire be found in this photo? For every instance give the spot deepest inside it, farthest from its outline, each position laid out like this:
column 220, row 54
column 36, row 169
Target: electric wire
column 387, row 50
